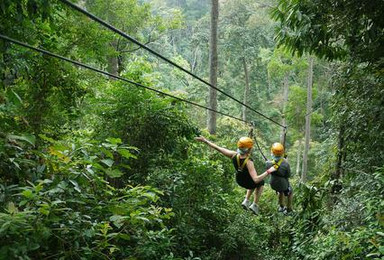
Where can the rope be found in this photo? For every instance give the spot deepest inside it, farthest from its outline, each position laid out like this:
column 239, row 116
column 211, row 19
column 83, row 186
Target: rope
column 114, row 76
column 130, row 38
column 251, row 135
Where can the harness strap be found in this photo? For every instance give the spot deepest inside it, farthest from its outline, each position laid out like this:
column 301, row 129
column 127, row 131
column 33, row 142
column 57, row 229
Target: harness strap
column 238, row 162
column 277, row 164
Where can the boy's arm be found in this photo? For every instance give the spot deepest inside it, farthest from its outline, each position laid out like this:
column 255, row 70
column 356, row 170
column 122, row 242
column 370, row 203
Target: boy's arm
column 224, row 151
column 288, row 170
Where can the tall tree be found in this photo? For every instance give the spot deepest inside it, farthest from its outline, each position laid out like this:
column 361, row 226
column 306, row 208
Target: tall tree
column 246, row 89
column 213, row 67
column 308, row 120
column 284, row 105
column 134, row 18
column 282, row 66
column 245, row 29
column 298, row 157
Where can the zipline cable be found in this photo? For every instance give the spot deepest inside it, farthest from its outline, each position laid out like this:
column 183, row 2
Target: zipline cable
column 130, row 38
column 253, row 136
column 6, row 38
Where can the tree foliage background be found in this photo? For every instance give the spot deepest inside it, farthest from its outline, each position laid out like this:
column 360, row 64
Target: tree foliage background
column 95, row 168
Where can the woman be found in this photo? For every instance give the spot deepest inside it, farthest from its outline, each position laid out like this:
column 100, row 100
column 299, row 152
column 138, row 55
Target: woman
column 246, row 175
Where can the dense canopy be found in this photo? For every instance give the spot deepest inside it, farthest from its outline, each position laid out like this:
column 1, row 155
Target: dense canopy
column 98, row 156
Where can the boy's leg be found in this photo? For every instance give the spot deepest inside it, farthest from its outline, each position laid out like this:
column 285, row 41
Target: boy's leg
column 281, row 202
column 281, row 199
column 289, row 201
column 289, row 194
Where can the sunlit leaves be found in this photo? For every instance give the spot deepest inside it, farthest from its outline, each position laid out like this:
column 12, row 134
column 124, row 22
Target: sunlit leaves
column 319, row 27
column 78, row 204
column 31, row 139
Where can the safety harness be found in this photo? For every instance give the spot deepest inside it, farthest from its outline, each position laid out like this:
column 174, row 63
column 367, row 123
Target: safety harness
column 277, row 164
column 241, row 167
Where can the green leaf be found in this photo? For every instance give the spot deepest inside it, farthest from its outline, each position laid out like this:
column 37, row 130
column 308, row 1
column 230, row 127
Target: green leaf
column 89, row 233
column 109, row 154
column 31, row 139
column 23, row 202
column 114, row 173
column 17, row 96
column 117, row 220
column 34, row 246
column 143, row 219
column 108, row 162
column 58, row 201
column 15, row 163
column 45, row 138
column 28, row 194
column 125, row 236
column 76, row 185
column 114, row 140
column 97, row 166
column 12, row 208
column 126, row 154
column 44, row 209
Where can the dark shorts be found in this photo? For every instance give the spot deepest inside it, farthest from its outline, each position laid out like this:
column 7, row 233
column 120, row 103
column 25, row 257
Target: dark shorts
column 245, row 181
column 287, row 192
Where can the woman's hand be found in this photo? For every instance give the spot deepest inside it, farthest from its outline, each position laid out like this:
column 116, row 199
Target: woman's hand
column 272, row 169
column 201, row 139
column 222, row 150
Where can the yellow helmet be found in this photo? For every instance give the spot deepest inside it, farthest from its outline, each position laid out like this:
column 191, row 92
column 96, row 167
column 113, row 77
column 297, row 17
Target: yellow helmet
column 245, row 142
column 277, row 149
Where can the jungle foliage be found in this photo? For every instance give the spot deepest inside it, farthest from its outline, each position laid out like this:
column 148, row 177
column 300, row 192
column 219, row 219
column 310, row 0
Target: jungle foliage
column 96, row 168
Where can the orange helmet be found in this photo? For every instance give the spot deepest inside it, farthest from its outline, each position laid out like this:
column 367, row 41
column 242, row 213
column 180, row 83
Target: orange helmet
column 277, row 149
column 245, row 142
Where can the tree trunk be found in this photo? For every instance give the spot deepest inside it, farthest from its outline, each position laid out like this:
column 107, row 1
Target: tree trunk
column 41, row 96
column 285, row 100
column 258, row 66
column 268, row 85
column 213, row 67
column 246, row 90
column 308, row 120
column 340, row 154
column 298, row 157
column 194, row 61
column 113, row 61
column 338, row 173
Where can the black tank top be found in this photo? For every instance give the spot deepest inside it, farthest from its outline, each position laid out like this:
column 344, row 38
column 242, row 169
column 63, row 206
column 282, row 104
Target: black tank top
column 243, row 178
